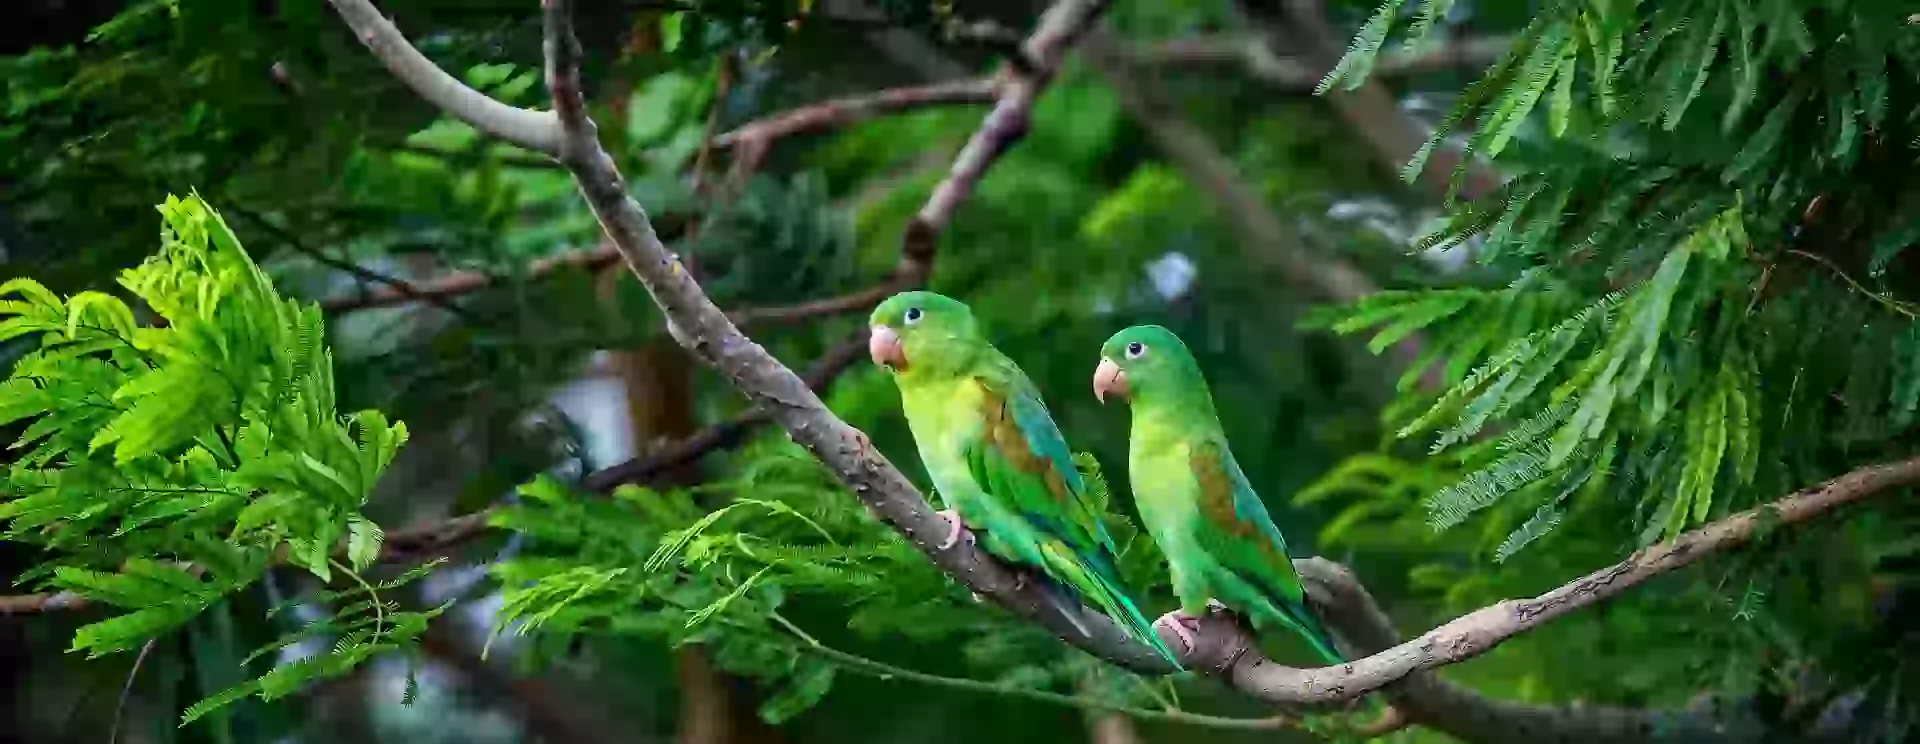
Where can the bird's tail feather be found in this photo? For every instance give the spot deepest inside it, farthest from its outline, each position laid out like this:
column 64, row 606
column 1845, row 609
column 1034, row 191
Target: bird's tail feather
column 1064, row 602
column 1301, row 619
column 1096, row 580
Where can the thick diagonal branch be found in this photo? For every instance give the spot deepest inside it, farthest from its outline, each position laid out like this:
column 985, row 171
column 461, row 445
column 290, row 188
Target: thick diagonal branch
column 707, row 331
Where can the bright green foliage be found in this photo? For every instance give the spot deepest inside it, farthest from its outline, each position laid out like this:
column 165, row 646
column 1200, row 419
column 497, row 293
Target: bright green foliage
column 785, row 540
column 167, row 465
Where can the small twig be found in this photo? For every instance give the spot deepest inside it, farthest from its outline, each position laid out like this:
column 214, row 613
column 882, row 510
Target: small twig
column 749, row 143
column 725, row 434
column 126, row 690
column 853, row 302
column 1390, row 720
column 842, row 112
column 394, row 284
column 1894, row 305
column 882, row 670
column 373, row 597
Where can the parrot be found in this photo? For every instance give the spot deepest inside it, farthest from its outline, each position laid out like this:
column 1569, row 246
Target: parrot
column 1222, row 548
column 997, row 459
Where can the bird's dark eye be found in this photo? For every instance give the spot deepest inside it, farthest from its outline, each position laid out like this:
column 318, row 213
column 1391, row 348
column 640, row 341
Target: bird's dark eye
column 913, row 315
column 1136, row 349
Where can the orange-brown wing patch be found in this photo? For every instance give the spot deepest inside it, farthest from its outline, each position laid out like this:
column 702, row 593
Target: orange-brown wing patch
column 1217, row 499
column 1011, row 443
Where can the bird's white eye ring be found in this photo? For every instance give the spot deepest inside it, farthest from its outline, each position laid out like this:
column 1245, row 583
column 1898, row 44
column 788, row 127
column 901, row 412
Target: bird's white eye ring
column 913, row 315
column 1136, row 350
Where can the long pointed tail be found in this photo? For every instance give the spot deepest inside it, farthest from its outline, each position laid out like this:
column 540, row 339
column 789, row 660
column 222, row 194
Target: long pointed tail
column 1096, row 580
column 1301, row 619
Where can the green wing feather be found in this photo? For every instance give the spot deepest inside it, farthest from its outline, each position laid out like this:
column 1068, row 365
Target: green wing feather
column 1021, row 460
column 1238, row 533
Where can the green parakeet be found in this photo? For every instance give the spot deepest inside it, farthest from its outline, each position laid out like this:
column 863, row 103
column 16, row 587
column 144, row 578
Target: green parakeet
column 1220, row 545
column 997, row 458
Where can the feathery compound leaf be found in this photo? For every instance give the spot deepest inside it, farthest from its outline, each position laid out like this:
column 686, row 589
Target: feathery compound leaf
column 226, row 448
column 1452, row 505
column 1352, row 70
column 1511, row 108
column 1560, row 105
column 1545, row 518
column 363, row 542
column 1706, row 49
column 1431, row 13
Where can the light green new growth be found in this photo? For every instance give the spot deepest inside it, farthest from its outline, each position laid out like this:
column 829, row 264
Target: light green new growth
column 166, row 465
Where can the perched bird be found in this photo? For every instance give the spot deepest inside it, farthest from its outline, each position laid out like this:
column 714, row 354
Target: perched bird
column 1220, row 544
column 996, row 456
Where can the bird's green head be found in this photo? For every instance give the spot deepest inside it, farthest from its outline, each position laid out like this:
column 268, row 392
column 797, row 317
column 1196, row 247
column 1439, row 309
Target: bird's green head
column 922, row 333
column 1149, row 365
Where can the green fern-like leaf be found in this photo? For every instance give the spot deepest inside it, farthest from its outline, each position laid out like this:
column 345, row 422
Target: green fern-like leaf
column 1352, row 69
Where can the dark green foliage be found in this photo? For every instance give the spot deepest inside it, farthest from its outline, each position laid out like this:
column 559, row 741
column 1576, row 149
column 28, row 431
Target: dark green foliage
column 167, row 465
column 1708, row 308
column 1651, row 338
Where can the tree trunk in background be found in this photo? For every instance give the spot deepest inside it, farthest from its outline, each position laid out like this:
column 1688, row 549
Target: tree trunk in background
column 658, row 381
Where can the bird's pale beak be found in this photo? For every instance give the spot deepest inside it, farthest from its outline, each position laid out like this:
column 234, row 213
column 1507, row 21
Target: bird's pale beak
column 884, row 347
column 1108, row 378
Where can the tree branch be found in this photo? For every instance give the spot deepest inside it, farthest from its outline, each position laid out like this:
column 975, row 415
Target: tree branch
column 538, row 131
column 750, row 141
column 1286, row 69
column 461, row 282
column 1359, row 622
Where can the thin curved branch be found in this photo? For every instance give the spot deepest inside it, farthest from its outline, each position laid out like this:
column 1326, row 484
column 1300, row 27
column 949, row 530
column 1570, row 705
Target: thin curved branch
column 538, row 131
column 750, row 141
